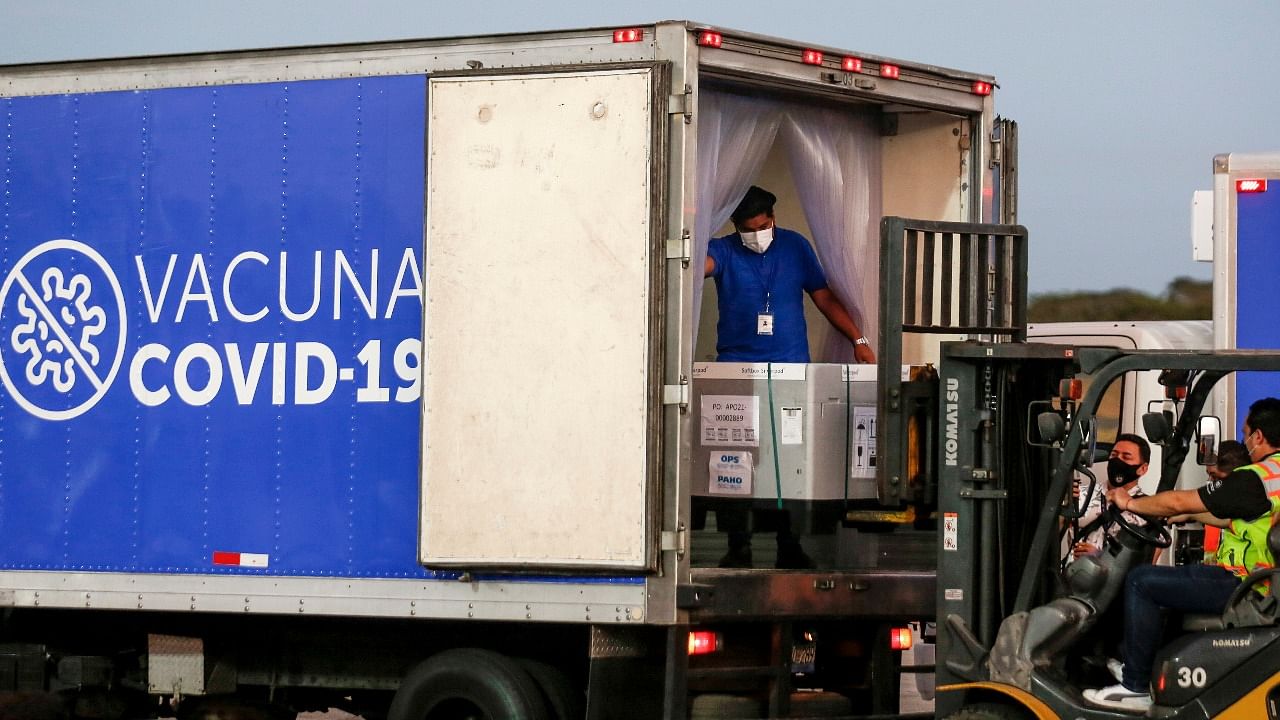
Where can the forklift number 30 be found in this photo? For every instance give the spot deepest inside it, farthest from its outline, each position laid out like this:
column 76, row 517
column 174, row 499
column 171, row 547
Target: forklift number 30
column 1192, row 677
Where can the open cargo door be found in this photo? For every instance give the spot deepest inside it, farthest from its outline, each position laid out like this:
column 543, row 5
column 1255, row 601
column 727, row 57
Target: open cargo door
column 540, row 404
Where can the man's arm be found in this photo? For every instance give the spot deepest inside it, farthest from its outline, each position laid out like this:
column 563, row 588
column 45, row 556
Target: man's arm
column 710, row 267
column 1162, row 504
column 831, row 307
column 1205, row 518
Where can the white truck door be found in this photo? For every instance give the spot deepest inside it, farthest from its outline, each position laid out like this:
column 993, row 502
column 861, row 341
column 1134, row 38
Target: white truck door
column 540, row 408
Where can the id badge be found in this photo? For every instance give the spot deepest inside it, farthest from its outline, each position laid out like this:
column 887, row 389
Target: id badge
column 764, row 324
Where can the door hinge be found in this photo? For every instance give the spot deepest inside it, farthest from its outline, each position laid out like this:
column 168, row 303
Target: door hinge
column 678, row 248
column 681, row 104
column 676, row 394
column 996, row 141
column 675, row 540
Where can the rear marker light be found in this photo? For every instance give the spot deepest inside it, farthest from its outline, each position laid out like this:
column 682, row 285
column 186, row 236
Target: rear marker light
column 811, row 57
column 708, row 38
column 1251, row 186
column 239, row 559
column 703, row 642
column 627, row 35
column 900, row 639
column 981, row 88
column 851, row 64
column 889, row 71
column 1070, row 389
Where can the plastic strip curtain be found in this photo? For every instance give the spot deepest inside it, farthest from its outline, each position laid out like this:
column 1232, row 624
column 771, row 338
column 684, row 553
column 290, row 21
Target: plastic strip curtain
column 835, row 160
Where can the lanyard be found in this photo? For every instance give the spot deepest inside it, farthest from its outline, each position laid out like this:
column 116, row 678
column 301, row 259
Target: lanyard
column 766, row 286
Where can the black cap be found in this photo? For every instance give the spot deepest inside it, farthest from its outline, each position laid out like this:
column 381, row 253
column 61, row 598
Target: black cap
column 757, row 201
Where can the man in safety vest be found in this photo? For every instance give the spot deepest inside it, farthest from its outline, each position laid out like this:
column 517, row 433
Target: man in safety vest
column 1249, row 497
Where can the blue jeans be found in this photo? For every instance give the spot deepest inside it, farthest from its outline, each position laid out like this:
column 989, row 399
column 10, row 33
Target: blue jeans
column 1148, row 588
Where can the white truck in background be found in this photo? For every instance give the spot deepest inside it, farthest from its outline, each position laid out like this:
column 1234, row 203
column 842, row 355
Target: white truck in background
column 1125, row 402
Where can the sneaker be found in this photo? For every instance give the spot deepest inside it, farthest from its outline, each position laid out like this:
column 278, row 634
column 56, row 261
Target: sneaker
column 1118, row 697
column 1117, row 669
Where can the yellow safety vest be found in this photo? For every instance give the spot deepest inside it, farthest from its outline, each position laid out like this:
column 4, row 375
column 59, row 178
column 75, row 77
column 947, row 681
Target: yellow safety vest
column 1243, row 546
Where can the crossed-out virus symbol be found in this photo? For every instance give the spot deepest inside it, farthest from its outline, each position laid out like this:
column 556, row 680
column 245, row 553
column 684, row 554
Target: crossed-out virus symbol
column 57, row 354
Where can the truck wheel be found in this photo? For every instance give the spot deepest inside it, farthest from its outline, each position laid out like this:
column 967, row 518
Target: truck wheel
column 988, row 711
column 563, row 701
column 467, row 683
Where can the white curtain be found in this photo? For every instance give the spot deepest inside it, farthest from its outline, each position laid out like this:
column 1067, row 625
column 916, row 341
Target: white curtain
column 835, row 161
column 735, row 134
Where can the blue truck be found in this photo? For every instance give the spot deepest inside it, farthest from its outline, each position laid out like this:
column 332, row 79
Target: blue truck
column 360, row 376
column 1234, row 227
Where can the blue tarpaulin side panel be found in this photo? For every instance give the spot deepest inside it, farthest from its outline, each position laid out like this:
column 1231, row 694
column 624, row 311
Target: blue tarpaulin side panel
column 1257, row 271
column 210, row 329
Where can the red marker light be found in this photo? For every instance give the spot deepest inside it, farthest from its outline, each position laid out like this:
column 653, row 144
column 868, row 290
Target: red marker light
column 703, row 642
column 1251, row 186
column 627, row 35
column 981, row 88
column 900, row 639
column 889, row 71
column 811, row 57
column 851, row 64
column 1070, row 389
column 709, row 38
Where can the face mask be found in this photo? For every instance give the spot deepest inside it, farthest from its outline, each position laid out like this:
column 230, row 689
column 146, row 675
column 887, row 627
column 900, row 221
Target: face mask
column 758, row 241
column 1120, row 472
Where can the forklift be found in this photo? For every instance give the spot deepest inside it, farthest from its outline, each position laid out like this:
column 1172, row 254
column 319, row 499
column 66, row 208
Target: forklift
column 1009, row 431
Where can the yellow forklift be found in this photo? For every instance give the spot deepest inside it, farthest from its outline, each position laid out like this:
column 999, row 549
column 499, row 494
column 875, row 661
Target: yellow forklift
column 1011, row 433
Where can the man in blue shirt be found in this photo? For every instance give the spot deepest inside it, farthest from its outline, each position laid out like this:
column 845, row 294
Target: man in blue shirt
column 762, row 273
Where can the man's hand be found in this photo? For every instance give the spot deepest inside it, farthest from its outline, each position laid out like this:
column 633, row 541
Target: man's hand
column 1120, row 498
column 863, row 353
column 1083, row 548
column 835, row 313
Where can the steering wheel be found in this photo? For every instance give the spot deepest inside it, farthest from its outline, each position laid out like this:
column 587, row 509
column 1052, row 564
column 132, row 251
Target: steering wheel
column 1153, row 533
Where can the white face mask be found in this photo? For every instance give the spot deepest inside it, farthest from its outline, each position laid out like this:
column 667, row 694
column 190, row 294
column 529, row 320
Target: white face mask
column 758, row 241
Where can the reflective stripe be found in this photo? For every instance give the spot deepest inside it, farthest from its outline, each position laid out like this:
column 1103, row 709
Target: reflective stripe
column 1268, row 470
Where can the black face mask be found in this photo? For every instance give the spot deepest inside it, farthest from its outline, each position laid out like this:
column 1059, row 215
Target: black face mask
column 1120, row 472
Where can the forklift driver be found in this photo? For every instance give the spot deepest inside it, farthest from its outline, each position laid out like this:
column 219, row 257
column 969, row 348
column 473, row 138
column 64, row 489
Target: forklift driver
column 1249, row 497
column 1130, row 458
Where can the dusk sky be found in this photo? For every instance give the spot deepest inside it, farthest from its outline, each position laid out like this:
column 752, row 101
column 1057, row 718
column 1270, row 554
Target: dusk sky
column 1120, row 106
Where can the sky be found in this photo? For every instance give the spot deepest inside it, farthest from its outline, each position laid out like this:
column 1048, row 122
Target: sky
column 1121, row 106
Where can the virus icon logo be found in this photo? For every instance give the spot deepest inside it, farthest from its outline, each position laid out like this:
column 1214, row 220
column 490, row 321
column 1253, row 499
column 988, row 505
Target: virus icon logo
column 57, row 306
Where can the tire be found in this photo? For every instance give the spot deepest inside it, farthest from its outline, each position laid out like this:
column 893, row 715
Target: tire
column 468, row 683
column 563, row 701
column 988, row 711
